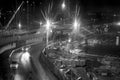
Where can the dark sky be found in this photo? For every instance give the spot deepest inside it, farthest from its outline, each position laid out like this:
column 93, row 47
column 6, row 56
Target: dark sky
column 95, row 3
column 6, row 5
column 101, row 2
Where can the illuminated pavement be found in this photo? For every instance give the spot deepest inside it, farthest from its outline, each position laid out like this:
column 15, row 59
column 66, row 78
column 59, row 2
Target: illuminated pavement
column 40, row 69
column 42, row 74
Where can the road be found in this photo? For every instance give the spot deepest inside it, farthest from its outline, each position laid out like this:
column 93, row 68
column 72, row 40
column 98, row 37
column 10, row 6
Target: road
column 39, row 68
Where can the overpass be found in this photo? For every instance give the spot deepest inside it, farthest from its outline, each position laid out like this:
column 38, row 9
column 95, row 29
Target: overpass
column 10, row 40
column 15, row 41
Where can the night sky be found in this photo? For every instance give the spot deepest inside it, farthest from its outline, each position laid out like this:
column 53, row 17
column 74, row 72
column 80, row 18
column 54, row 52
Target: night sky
column 85, row 6
column 101, row 2
column 8, row 4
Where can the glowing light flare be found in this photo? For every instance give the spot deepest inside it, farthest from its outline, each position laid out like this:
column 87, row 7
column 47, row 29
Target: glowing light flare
column 51, row 31
column 63, row 5
column 76, row 22
column 76, row 25
column 25, row 49
column 25, row 58
column 69, row 40
column 118, row 23
column 19, row 25
column 14, row 66
column 40, row 23
column 18, row 77
column 49, row 21
column 49, row 18
column 48, row 24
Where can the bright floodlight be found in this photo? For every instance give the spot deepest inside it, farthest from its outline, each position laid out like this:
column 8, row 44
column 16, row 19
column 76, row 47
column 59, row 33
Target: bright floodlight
column 25, row 58
column 48, row 23
column 76, row 25
column 48, row 27
column 118, row 23
column 19, row 25
column 18, row 77
column 69, row 40
column 40, row 23
column 63, row 5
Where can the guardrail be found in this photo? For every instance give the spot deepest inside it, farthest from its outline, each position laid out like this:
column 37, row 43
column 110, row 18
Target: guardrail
column 15, row 38
column 18, row 41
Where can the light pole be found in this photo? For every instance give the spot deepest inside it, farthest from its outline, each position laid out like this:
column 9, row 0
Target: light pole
column 76, row 28
column 118, row 24
column 48, row 25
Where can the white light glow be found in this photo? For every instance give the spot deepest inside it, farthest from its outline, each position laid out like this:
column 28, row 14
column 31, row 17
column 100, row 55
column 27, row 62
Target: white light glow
column 51, row 31
column 14, row 66
column 76, row 25
column 63, row 5
column 69, row 40
column 48, row 28
column 19, row 25
column 118, row 23
column 25, row 49
column 18, row 77
column 25, row 58
column 48, row 24
column 49, row 21
column 40, row 23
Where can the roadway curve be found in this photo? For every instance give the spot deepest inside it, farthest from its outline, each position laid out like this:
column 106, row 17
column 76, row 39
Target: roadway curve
column 40, row 67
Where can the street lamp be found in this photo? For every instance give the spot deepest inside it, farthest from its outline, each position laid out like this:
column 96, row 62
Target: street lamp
column 40, row 23
column 19, row 25
column 76, row 25
column 48, row 24
column 118, row 23
column 63, row 5
column 48, row 27
column 76, row 28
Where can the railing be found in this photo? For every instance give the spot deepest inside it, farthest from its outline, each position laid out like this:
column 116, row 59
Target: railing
column 19, row 41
